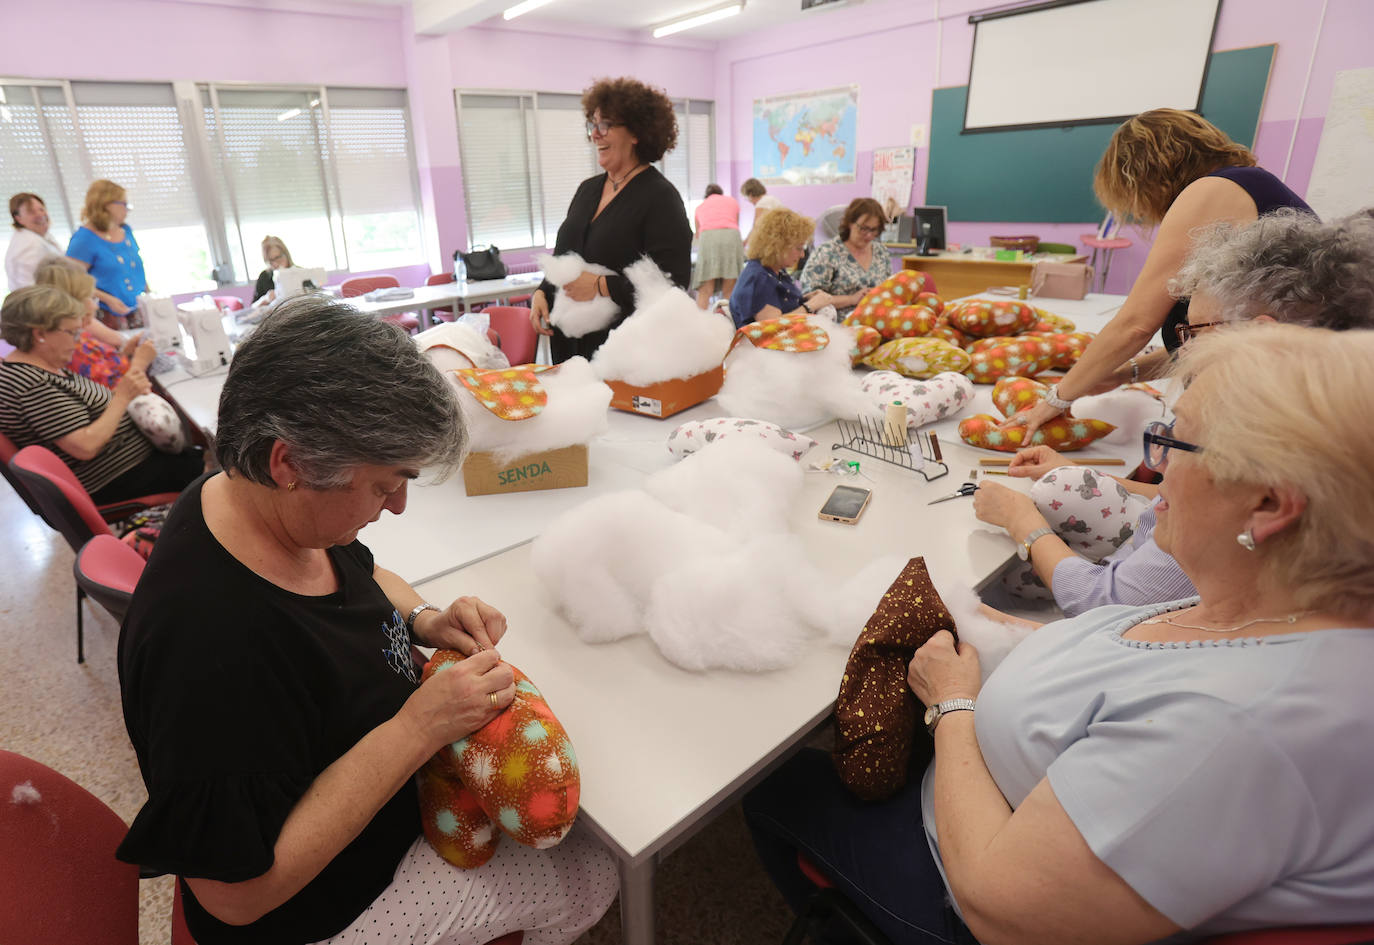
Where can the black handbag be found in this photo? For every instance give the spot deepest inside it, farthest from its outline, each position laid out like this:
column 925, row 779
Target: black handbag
column 482, row 263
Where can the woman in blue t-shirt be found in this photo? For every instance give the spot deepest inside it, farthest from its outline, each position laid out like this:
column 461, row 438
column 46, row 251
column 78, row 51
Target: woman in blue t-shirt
column 765, row 288
column 106, row 247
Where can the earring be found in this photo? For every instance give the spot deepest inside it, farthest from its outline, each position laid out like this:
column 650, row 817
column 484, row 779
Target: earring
column 291, row 486
column 1246, row 540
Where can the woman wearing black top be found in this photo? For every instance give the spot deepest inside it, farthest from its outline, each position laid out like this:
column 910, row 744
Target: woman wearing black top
column 266, row 675
column 629, row 211
column 277, row 256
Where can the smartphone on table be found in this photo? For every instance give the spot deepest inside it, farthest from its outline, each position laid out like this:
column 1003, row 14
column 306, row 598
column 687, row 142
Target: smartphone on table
column 846, row 504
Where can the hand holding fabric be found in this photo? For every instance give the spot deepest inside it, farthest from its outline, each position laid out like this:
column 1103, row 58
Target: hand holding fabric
column 944, row 669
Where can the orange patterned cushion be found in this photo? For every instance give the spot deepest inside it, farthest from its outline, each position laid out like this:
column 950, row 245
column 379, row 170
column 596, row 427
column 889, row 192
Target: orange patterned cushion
column 510, row 393
column 896, row 321
column 519, row 770
column 1064, row 434
column 947, row 332
column 1011, row 394
column 786, row 333
column 985, row 319
column 1054, row 323
column 866, row 341
column 1065, row 347
column 900, row 288
column 993, row 358
column 918, row 357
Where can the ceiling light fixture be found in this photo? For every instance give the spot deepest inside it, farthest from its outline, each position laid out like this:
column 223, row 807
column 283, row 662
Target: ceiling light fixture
column 698, row 19
column 522, row 8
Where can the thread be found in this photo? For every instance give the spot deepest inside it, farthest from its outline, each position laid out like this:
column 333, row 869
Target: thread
column 894, row 424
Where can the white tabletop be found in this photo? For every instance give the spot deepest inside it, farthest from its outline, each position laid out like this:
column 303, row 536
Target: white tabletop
column 447, row 293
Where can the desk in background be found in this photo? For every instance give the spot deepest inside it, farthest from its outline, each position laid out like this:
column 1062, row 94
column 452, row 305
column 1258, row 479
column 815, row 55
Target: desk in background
column 960, row 274
column 444, row 294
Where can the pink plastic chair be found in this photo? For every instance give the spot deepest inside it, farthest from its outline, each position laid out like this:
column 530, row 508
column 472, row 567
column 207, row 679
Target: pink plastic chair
column 361, row 285
column 517, row 336
column 57, row 861
column 227, row 303
column 444, row 313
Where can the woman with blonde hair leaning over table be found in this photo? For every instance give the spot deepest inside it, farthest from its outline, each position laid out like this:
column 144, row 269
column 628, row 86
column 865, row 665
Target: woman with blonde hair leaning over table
column 1176, row 170
column 1287, row 266
column 1135, row 772
column 266, row 675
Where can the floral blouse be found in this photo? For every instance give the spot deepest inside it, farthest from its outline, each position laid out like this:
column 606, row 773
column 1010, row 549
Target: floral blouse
column 833, row 269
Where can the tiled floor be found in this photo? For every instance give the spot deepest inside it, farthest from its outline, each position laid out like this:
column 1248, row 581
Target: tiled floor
column 67, row 715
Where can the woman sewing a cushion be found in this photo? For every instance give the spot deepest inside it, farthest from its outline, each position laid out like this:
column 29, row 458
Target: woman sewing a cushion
column 1139, row 771
column 765, row 288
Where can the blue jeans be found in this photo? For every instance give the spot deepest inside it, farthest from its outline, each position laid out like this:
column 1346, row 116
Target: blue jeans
column 876, row 854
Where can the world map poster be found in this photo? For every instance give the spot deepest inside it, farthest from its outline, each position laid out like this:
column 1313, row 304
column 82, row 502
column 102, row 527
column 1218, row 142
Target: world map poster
column 806, row 138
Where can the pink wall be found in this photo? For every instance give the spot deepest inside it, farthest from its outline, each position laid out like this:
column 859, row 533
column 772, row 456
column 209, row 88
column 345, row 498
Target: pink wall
column 898, row 51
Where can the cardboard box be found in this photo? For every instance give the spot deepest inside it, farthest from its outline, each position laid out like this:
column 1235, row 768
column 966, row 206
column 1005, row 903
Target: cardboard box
column 667, row 397
column 551, row 469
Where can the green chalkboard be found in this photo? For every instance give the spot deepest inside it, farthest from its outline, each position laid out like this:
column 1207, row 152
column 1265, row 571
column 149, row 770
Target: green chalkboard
column 1044, row 175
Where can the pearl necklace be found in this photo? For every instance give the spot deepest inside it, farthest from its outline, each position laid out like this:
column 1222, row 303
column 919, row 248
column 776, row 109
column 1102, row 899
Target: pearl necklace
column 615, row 184
column 1290, row 619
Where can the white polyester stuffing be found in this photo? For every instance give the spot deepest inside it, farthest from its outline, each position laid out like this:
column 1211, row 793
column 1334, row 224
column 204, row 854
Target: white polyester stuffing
column 795, row 390
column 667, row 336
column 575, row 413
column 704, row 561
column 576, row 319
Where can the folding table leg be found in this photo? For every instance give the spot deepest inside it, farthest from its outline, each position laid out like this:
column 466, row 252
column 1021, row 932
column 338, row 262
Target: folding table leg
column 80, row 629
column 637, row 902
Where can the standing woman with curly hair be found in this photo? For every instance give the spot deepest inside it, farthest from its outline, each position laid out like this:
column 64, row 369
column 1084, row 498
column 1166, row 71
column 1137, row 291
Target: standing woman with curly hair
column 1176, row 170
column 628, row 211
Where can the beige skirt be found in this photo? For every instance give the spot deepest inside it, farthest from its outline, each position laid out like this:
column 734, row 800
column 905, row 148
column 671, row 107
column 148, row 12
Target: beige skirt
column 720, row 255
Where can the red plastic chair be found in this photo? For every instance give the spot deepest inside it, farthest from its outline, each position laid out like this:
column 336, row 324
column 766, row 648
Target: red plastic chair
column 7, row 452
column 361, row 285
column 442, row 313
column 227, row 303
column 517, row 336
column 66, row 506
column 58, row 869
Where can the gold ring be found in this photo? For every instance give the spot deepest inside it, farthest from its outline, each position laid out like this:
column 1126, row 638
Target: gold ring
column 491, row 697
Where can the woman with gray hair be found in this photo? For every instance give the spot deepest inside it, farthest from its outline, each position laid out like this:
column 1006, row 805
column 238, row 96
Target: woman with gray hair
column 266, row 674
column 1134, row 772
column 1288, row 267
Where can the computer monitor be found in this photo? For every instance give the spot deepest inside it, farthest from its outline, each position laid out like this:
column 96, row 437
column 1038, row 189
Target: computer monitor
column 928, row 229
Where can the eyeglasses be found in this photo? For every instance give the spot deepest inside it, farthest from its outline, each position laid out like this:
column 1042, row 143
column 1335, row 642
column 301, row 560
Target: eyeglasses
column 1185, row 332
column 122, row 203
column 1158, row 442
column 74, row 332
column 602, row 127
column 870, row 230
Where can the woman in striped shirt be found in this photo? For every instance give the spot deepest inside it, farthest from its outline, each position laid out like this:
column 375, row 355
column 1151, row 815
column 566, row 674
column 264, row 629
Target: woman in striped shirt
column 42, row 402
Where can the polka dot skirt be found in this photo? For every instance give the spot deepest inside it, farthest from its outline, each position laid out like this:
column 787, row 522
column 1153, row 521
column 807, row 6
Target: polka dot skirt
column 552, row 895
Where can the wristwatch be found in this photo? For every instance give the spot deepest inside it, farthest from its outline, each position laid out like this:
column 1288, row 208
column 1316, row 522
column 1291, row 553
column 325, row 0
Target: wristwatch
column 410, row 621
column 940, row 709
column 1023, row 552
column 1054, row 400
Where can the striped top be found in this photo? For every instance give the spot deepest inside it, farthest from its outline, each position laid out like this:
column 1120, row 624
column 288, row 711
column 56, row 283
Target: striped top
column 1138, row 574
column 40, row 407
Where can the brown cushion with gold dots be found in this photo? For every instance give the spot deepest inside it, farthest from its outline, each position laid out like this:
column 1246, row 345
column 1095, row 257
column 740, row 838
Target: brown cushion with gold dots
column 877, row 716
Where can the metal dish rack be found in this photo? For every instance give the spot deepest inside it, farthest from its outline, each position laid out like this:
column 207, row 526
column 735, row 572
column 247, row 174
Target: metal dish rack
column 864, row 435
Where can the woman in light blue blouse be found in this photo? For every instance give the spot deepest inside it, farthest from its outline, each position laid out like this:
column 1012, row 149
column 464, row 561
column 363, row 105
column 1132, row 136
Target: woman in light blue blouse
column 852, row 263
column 104, row 244
column 1135, row 772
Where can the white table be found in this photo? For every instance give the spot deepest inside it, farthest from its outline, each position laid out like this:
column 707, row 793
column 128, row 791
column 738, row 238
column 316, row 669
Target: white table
column 444, row 294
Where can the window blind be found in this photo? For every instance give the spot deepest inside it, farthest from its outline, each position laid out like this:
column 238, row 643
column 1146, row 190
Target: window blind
column 565, row 158
column 494, row 135
column 26, row 163
column 373, row 162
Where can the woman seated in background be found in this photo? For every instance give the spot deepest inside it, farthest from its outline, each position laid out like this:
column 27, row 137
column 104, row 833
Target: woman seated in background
column 102, row 354
column 852, row 263
column 1134, row 772
column 1288, row 267
column 43, row 402
column 278, row 741
column 615, row 218
column 105, row 247
column 1175, row 170
column 720, row 252
column 765, row 289
column 277, row 256
column 31, row 242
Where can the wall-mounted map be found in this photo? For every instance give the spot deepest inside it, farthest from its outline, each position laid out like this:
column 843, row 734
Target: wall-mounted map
column 806, row 138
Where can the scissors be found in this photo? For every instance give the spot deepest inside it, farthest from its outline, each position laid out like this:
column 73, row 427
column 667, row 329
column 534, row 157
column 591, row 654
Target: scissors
column 968, row 488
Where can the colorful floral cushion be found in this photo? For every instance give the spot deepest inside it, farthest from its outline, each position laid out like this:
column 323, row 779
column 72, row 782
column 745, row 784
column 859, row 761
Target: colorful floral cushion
column 902, row 321
column 926, row 401
column 918, row 357
column 866, row 341
column 158, row 421
column 947, row 332
column 986, row 319
column 1011, row 394
column 994, row 358
column 696, row 435
column 902, row 306
column 1065, row 347
column 1064, row 434
column 518, row 772
column 511, row 394
column 786, row 333
column 1054, row 323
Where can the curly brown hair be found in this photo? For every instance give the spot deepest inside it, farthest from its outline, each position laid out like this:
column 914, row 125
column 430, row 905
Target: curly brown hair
column 859, row 208
column 645, row 111
column 1156, row 154
column 778, row 231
